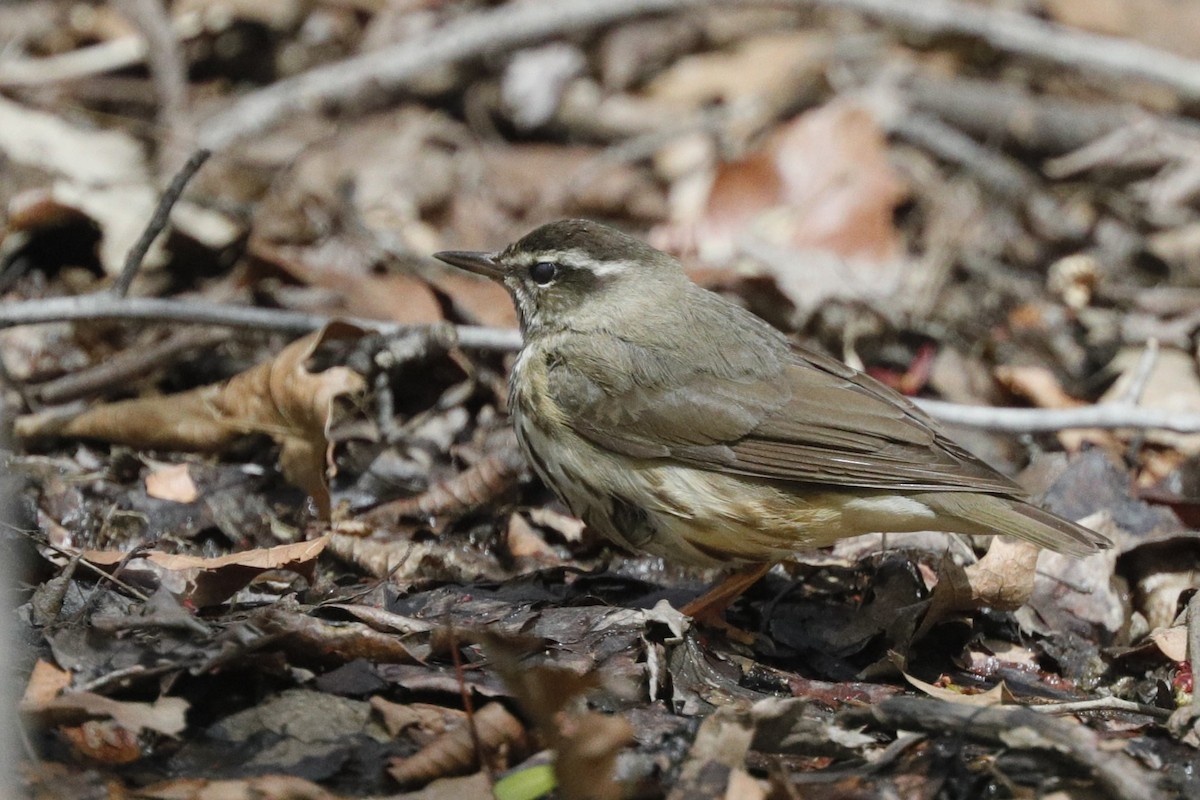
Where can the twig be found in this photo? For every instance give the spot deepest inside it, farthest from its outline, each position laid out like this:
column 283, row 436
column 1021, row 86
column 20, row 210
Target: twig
column 469, row 707
column 1050, row 420
column 127, row 366
column 1121, row 776
column 1194, row 648
column 1140, row 376
column 512, row 25
column 133, row 261
column 1004, row 115
column 169, row 71
column 389, row 68
column 1013, row 32
column 995, row 170
column 78, row 558
column 475, row 337
column 197, row 312
column 470, row 489
column 1103, row 704
column 83, row 62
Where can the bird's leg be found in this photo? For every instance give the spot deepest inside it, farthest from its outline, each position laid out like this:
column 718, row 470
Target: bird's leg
column 708, row 607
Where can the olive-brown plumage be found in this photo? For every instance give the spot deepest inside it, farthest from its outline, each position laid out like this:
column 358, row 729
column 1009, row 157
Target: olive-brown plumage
column 675, row 422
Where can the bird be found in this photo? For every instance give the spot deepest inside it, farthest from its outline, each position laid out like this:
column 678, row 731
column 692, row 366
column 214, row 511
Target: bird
column 674, row 422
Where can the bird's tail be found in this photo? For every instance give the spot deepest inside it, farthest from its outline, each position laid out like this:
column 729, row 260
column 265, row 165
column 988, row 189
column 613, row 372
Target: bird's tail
column 990, row 514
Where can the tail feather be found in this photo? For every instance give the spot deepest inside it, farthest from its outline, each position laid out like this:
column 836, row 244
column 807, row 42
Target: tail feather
column 989, row 514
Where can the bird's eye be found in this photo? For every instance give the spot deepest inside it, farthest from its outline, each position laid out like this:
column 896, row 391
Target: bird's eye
column 543, row 272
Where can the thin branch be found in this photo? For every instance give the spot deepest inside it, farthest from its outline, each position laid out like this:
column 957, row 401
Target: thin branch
column 137, row 254
column 474, row 337
column 1050, row 420
column 510, row 26
column 168, row 68
column 84, row 62
column 1103, row 704
column 1018, row 728
column 197, row 312
column 1140, row 376
column 127, row 366
column 1013, row 32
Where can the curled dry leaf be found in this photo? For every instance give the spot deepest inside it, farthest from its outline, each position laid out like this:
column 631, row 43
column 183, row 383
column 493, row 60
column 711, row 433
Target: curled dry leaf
column 997, row 695
column 280, row 398
column 1003, row 579
column 208, row 581
column 454, row 753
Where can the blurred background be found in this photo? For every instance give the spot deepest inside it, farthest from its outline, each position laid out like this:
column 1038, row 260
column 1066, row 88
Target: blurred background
column 990, row 203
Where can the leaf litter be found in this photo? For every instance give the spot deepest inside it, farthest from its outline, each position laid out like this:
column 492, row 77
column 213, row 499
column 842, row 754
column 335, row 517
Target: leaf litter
column 330, row 575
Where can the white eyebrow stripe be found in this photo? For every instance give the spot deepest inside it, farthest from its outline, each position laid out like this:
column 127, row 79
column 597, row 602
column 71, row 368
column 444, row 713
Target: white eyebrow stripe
column 612, row 268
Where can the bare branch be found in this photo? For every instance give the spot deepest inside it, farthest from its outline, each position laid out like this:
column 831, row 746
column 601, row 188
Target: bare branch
column 198, row 312
column 513, row 25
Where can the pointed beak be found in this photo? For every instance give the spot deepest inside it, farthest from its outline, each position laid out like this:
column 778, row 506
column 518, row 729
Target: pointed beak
column 477, row 262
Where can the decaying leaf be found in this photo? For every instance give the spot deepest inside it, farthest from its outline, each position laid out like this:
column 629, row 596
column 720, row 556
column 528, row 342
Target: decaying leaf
column 1003, row 579
column 209, row 581
column 585, row 743
column 454, row 752
column 995, row 696
column 280, row 398
column 165, row 715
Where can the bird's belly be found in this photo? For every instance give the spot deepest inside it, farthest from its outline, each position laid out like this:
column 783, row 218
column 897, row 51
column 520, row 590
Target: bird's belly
column 678, row 512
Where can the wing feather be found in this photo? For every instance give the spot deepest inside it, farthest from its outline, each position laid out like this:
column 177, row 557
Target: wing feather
column 774, row 412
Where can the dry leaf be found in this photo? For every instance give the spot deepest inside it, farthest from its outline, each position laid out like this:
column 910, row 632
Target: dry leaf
column 172, row 482
column 280, row 398
column 1172, row 642
column 209, row 581
column 104, row 741
column 760, row 65
column 827, row 176
column 46, row 682
column 997, row 695
column 165, row 715
column 585, row 744
column 454, row 753
column 1003, row 579
column 394, row 297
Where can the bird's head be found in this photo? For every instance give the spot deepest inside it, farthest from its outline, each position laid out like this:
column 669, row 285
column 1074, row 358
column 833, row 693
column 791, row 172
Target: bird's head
column 577, row 274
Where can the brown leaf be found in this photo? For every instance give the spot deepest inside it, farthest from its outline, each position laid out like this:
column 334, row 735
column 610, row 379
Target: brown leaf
column 46, row 682
column 759, row 65
column 280, row 398
column 1172, row 642
column 104, row 741
column 827, row 178
column 165, row 715
column 394, row 297
column 1003, row 579
column 997, row 695
column 209, row 581
column 454, row 753
column 585, row 744
column 172, row 482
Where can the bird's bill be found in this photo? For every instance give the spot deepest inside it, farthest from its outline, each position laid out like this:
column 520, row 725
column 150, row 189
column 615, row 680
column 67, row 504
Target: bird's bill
column 472, row 261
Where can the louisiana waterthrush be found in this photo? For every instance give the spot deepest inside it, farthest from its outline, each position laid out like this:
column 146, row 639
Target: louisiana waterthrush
column 673, row 421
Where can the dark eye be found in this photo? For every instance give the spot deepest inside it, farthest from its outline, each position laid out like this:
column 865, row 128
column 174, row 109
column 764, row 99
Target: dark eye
column 543, row 272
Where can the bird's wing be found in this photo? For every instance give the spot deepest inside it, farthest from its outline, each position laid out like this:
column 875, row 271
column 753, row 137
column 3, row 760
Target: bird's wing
column 804, row 419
